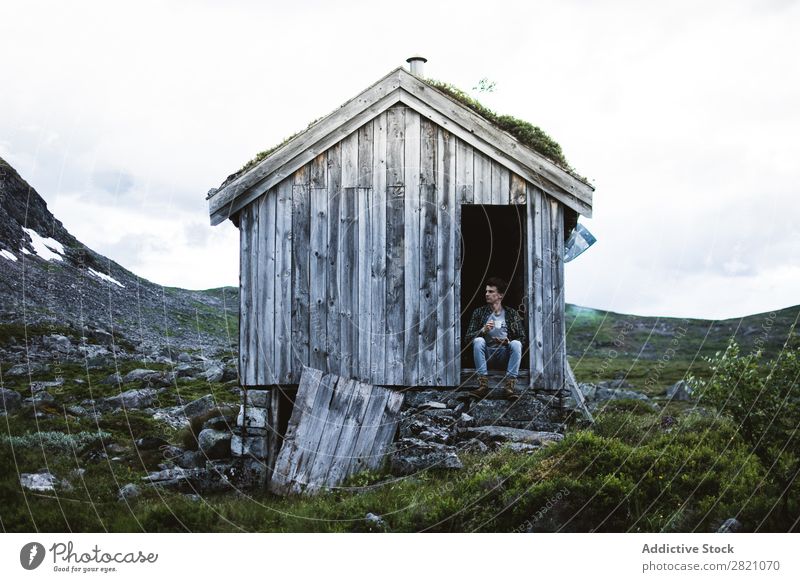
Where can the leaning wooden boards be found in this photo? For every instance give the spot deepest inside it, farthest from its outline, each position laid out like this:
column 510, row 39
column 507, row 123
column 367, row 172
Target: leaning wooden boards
column 339, row 426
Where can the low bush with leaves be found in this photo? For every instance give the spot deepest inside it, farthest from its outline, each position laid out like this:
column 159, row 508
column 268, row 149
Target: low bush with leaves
column 763, row 400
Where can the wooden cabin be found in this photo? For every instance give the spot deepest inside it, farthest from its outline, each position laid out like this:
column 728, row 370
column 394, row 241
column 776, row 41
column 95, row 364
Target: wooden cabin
column 366, row 241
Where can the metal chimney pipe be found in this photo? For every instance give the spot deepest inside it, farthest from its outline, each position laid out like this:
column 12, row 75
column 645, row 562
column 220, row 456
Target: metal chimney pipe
column 417, row 65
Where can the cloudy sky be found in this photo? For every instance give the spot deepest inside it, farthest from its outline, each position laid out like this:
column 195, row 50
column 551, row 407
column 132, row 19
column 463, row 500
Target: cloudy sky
column 685, row 115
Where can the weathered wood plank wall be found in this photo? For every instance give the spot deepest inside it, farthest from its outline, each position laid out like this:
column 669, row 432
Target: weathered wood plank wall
column 351, row 264
column 545, row 285
column 318, row 306
column 339, row 426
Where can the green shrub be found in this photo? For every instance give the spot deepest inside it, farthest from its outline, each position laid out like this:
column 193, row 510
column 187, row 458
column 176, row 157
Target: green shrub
column 675, row 481
column 64, row 442
column 763, row 400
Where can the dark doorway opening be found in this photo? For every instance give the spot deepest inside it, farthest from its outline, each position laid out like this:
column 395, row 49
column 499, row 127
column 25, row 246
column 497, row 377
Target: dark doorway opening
column 494, row 242
column 286, row 396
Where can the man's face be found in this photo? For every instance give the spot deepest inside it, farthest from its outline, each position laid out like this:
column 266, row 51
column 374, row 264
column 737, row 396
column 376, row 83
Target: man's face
column 492, row 294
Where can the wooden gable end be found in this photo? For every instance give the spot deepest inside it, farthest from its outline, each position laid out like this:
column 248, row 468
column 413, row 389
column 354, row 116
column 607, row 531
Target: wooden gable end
column 400, row 86
column 350, row 264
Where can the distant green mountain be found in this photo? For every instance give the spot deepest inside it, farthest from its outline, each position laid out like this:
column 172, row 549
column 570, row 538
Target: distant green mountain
column 653, row 352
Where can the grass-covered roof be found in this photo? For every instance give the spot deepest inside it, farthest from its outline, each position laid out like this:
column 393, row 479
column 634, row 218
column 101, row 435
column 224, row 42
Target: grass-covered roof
column 525, row 132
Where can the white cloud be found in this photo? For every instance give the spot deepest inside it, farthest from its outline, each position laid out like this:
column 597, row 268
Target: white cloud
column 688, row 126
column 154, row 243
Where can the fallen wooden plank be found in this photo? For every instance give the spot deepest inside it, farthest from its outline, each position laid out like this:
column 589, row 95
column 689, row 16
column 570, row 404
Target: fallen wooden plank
column 339, row 426
column 292, row 449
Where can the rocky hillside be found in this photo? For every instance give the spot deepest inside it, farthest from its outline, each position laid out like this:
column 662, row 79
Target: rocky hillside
column 51, row 283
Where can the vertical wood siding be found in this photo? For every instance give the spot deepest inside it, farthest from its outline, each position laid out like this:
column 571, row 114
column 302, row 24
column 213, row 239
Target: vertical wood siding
column 447, row 364
column 428, row 229
column 545, row 285
column 411, row 218
column 351, row 264
column 395, row 245
column 318, row 231
column 364, row 269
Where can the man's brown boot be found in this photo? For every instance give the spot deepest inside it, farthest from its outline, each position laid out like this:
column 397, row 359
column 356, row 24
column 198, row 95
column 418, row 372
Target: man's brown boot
column 508, row 389
column 483, row 387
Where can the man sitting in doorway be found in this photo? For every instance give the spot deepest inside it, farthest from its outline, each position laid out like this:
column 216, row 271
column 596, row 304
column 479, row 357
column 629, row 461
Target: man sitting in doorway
column 497, row 335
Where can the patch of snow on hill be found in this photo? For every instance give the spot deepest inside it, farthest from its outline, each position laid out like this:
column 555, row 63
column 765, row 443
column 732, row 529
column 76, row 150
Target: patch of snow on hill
column 106, row 278
column 6, row 255
column 47, row 248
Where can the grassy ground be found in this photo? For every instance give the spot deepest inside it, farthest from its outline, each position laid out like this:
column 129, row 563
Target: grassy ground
column 682, row 468
column 634, row 470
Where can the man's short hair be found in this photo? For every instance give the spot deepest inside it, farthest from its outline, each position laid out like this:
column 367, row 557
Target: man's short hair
column 501, row 285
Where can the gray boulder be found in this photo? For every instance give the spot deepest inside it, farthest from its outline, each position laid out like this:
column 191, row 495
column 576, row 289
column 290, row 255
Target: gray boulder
column 465, row 420
column 493, row 435
column 730, row 525
column 177, row 478
column 129, row 491
column 22, row 369
column 86, row 408
column 418, row 399
column 200, row 406
column 96, row 357
column 215, row 444
column 432, row 405
column 530, row 412
column 115, row 448
column 114, row 379
column 426, row 427
column 215, row 476
column 214, row 374
column 222, row 423
column 40, row 398
column 376, row 522
column 190, row 460
column 150, row 443
column 410, row 455
column 10, row 400
column 133, row 399
column 472, row 446
column 681, row 391
column 42, row 481
column 604, row 394
column 42, row 385
column 139, row 375
column 230, row 373
column 171, row 453
column 57, row 343
column 187, row 370
column 588, row 390
column 616, row 384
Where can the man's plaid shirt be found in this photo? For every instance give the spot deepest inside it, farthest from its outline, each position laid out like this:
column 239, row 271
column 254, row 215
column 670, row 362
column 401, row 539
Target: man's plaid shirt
column 514, row 322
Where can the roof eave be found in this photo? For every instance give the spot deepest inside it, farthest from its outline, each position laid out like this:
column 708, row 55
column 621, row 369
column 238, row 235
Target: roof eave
column 398, row 85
